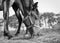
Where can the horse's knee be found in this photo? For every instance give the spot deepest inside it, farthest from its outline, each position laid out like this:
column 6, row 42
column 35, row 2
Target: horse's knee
column 5, row 16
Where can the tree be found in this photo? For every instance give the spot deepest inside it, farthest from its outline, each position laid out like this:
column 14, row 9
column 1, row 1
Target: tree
column 48, row 16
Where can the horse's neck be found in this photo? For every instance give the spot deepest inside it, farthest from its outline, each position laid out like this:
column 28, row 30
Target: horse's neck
column 26, row 3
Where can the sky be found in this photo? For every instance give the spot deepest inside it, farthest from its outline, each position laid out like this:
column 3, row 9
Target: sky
column 48, row 6
column 43, row 6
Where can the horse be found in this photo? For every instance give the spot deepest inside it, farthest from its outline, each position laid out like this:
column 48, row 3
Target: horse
column 4, row 6
column 28, row 11
column 29, row 21
column 17, row 4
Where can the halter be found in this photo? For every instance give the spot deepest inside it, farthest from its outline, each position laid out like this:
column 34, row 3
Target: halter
column 28, row 16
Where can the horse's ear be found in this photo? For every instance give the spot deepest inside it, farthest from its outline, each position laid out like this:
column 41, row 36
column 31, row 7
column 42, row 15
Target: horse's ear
column 35, row 5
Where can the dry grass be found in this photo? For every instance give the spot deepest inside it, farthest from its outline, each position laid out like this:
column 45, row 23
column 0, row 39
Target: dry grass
column 46, row 36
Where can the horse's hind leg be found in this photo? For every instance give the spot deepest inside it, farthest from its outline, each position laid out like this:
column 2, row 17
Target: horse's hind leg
column 5, row 16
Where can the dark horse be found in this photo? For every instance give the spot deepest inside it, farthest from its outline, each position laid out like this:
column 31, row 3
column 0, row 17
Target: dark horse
column 29, row 10
column 32, row 14
column 5, row 4
column 17, row 6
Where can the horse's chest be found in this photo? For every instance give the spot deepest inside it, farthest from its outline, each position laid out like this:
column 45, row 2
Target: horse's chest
column 27, row 3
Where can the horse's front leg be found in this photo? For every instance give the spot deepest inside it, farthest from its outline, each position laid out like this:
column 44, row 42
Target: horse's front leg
column 6, row 18
column 18, row 15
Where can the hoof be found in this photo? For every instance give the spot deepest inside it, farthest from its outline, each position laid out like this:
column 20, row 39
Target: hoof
column 5, row 34
column 27, row 36
column 8, row 36
column 17, row 33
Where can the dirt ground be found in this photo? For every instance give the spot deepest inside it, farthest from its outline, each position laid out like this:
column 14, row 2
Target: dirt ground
column 45, row 36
